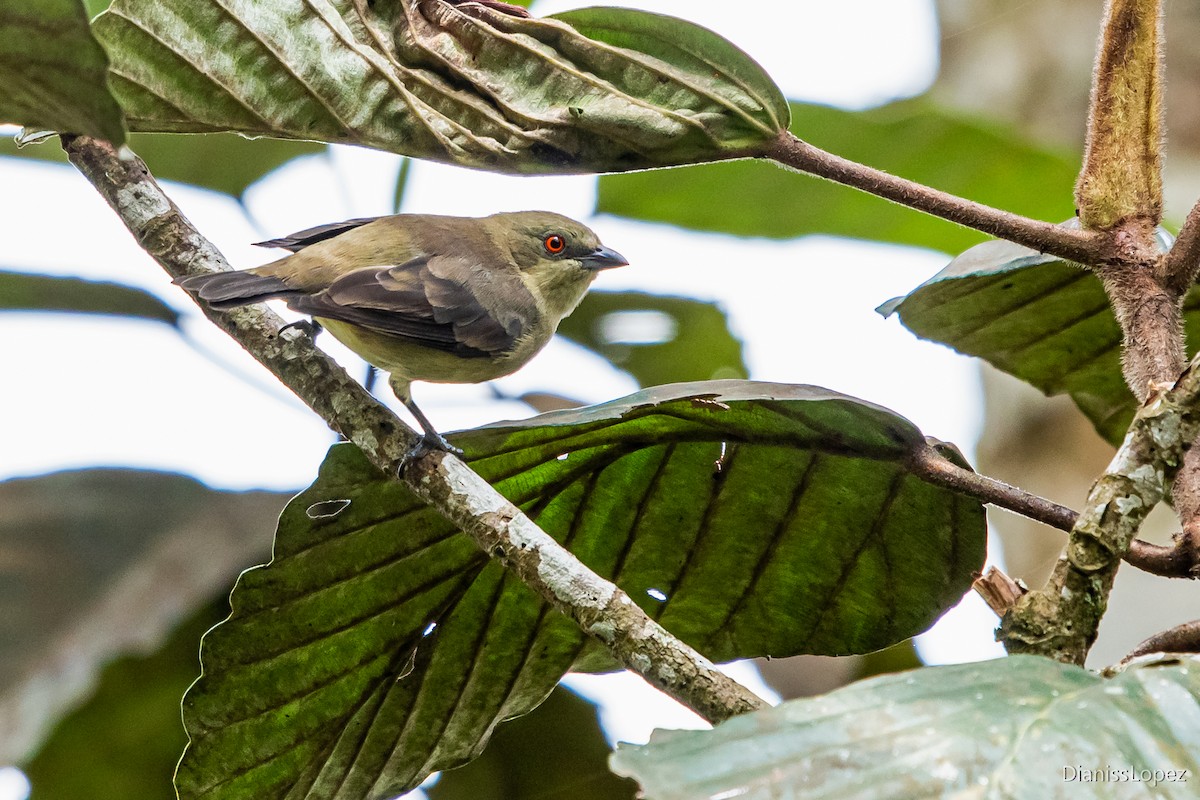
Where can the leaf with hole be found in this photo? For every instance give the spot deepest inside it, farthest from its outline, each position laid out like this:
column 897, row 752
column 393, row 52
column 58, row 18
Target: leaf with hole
column 748, row 518
column 1045, row 321
column 1023, row 726
column 602, row 89
column 53, row 72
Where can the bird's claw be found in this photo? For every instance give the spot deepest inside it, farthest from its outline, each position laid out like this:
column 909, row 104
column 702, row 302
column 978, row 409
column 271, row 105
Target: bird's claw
column 310, row 327
column 430, row 442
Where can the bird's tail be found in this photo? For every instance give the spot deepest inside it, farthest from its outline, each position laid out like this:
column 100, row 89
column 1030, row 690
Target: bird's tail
column 224, row 290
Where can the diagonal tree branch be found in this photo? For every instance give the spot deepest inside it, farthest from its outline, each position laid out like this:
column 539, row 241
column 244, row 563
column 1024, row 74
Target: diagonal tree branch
column 497, row 526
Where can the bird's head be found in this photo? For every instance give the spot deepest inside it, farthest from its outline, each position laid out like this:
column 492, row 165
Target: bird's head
column 558, row 255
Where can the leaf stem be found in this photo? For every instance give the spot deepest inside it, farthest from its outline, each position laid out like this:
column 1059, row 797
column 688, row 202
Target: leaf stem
column 1085, row 247
column 498, row 527
column 1180, row 561
column 931, row 465
column 1183, row 638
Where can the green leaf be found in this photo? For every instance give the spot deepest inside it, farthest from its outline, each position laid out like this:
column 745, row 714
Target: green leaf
column 222, row 162
column 915, row 139
column 556, row 752
column 748, row 518
column 53, row 71
column 468, row 85
column 1048, row 322
column 1015, row 727
column 657, row 339
column 22, row 291
column 124, row 741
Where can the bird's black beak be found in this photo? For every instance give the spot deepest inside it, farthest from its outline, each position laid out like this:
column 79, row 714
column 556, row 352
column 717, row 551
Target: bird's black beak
column 603, row 258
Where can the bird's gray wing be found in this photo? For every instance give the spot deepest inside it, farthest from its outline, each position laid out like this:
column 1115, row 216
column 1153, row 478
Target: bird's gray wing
column 446, row 303
column 296, row 242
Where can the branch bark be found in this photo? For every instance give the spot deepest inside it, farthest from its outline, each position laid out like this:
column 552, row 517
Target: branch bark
column 498, row 527
column 1060, row 621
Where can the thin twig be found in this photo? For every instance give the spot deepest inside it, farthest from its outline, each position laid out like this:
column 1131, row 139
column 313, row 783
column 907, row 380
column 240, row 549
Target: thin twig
column 1183, row 638
column 1180, row 561
column 931, row 465
column 502, row 530
column 1178, row 268
column 1084, row 247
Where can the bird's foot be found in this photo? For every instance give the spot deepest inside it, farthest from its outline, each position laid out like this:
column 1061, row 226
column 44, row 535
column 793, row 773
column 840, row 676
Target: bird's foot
column 430, row 442
column 310, row 327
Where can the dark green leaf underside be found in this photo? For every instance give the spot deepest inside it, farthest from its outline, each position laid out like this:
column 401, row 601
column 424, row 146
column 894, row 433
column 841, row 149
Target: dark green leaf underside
column 21, row 291
column 557, row 752
column 973, row 159
column 1005, row 728
column 53, row 73
column 470, row 86
column 773, row 519
column 1045, row 321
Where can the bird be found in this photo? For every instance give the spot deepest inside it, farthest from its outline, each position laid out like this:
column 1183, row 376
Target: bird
column 427, row 297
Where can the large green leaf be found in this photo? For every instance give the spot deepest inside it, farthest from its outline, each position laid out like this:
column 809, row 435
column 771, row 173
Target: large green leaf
column 23, row 291
column 748, row 518
column 1021, row 727
column 53, row 72
column 1045, row 321
column 914, row 139
column 468, row 85
column 657, row 339
column 221, row 162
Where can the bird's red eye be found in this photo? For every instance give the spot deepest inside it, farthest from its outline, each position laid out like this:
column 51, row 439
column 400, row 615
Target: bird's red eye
column 555, row 244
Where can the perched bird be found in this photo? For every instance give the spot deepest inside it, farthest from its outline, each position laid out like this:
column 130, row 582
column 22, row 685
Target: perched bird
column 429, row 298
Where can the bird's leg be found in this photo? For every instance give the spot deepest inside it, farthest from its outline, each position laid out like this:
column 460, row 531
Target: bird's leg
column 431, row 440
column 309, row 326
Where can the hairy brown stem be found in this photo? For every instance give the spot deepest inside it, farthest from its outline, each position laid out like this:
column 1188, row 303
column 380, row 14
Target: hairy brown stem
column 1085, row 247
column 497, row 526
column 1151, row 319
column 1178, row 268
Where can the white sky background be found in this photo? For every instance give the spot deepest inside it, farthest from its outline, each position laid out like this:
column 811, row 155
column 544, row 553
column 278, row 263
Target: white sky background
column 93, row 391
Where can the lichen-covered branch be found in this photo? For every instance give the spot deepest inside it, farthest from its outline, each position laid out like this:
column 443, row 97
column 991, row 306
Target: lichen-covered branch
column 502, row 530
column 1060, row 621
